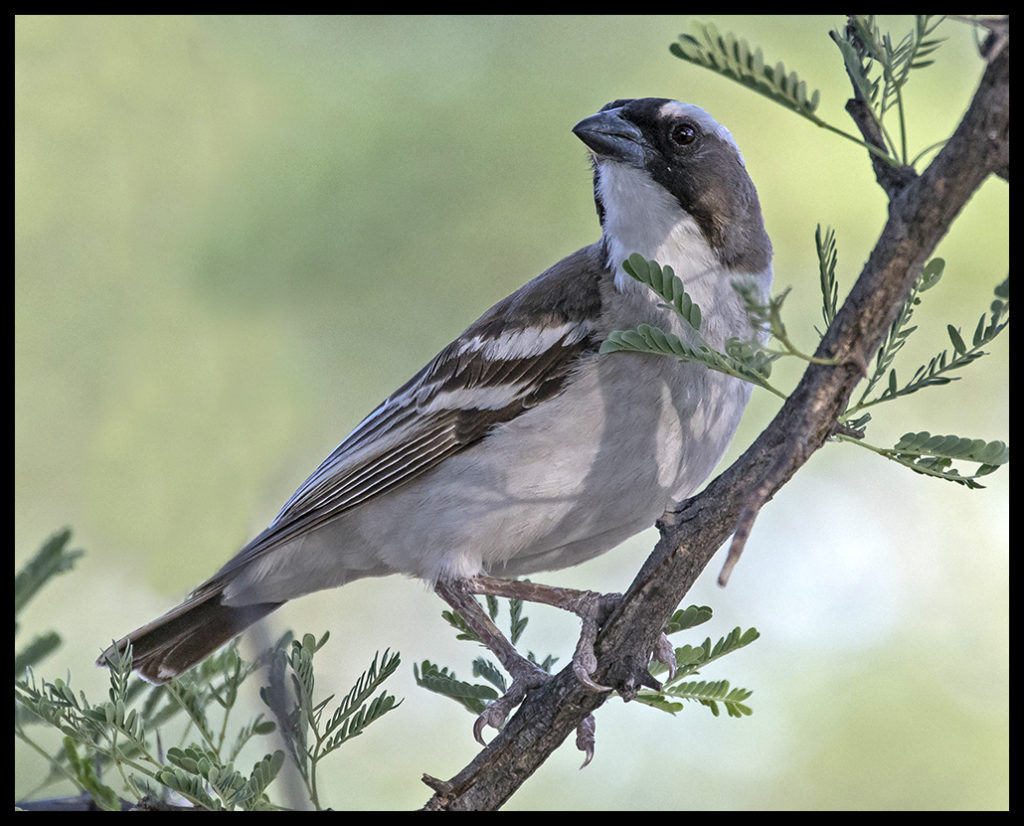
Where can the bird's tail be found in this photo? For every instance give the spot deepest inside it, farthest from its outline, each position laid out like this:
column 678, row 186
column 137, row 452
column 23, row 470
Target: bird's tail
column 173, row 643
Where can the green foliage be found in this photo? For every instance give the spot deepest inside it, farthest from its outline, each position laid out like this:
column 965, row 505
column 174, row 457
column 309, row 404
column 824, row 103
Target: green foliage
column 708, row 694
column 900, row 331
column 936, row 371
column 744, row 360
column 195, row 771
column 517, row 622
column 120, row 738
column 85, row 774
column 732, row 57
column 934, row 455
column 119, row 733
column 920, row 451
column 751, row 361
column 828, row 258
column 689, row 661
column 475, row 697
column 666, row 284
column 879, row 68
column 689, row 617
column 309, row 731
column 52, row 558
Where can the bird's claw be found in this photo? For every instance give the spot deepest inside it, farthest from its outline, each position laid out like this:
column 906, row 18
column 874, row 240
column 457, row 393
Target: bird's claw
column 497, row 712
column 585, row 738
column 583, row 675
column 591, row 612
column 665, row 653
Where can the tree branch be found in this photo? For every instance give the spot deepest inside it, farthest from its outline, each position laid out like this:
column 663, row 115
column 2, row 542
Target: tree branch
column 920, row 213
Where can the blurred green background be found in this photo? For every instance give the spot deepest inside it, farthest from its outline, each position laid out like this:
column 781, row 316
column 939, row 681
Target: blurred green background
column 235, row 236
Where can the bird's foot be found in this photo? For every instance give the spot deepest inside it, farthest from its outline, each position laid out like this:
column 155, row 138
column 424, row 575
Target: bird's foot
column 495, row 715
column 665, row 653
column 591, row 607
column 530, row 678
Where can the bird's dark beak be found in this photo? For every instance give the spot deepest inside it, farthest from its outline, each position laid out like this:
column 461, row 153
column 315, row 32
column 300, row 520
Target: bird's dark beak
column 610, row 135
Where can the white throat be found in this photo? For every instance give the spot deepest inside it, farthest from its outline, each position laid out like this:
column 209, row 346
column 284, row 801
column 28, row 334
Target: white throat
column 640, row 216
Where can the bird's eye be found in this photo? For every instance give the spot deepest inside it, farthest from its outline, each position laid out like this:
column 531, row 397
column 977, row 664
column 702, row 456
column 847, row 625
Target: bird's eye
column 683, row 134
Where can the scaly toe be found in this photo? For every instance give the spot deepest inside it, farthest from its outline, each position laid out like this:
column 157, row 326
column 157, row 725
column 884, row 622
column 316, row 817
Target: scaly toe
column 585, row 738
column 665, row 653
column 583, row 675
column 497, row 712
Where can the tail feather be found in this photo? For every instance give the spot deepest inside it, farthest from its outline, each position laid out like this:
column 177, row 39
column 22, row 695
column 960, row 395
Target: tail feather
column 173, row 643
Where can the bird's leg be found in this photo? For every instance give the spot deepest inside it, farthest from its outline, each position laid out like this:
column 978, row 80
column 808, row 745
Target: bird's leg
column 525, row 675
column 592, row 608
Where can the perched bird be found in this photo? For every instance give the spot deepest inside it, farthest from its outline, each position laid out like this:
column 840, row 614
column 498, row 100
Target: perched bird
column 519, row 448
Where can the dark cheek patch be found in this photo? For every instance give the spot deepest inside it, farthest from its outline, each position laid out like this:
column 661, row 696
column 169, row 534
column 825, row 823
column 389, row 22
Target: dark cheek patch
column 713, row 187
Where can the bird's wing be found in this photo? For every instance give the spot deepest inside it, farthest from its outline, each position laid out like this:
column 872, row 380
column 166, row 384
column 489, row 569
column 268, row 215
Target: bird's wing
column 520, row 353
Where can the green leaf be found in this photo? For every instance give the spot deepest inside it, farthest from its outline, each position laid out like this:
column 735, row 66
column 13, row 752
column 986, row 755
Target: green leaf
column 441, row 681
column 825, row 244
column 465, row 630
column 939, row 366
column 934, row 456
column 958, row 342
column 52, row 558
column 880, row 68
column 659, row 701
column 707, row 693
column 688, row 618
column 82, row 768
column 689, row 658
column 666, row 284
column 190, row 785
column 954, row 447
column 40, row 647
column 489, row 671
column 261, row 776
column 265, row 727
column 356, row 711
column 732, row 57
column 931, row 274
column 517, row 622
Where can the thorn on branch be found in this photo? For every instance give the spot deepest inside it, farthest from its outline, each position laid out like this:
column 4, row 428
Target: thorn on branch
column 840, row 429
column 739, row 541
column 442, row 787
column 759, row 497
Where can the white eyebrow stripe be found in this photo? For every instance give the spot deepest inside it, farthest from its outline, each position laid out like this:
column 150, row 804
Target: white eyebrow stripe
column 675, row 108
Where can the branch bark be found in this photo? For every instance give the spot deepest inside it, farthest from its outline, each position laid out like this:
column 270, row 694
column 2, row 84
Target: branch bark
column 921, row 210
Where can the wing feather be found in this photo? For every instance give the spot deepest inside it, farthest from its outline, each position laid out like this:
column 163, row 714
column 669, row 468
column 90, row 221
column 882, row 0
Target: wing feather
column 404, row 437
column 515, row 356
